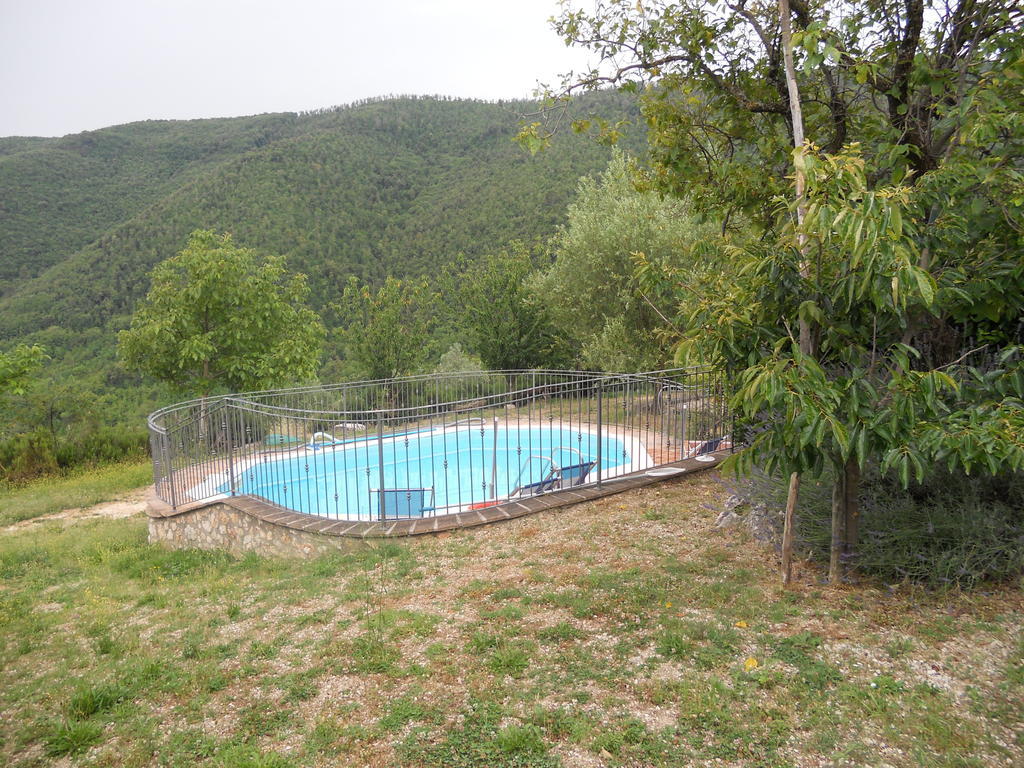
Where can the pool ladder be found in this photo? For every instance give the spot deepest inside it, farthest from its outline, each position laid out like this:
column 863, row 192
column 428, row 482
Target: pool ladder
column 550, row 459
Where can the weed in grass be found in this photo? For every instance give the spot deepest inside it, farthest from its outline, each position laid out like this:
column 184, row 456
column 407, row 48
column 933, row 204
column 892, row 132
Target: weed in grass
column 13, row 607
column 150, row 564
column 899, row 647
column 331, row 565
column 706, row 644
column 819, row 675
column 370, row 654
column 654, row 515
column 156, row 600
column 333, row 737
column 72, row 737
column 405, row 710
column 578, row 603
column 89, row 700
column 705, row 704
column 764, row 678
column 662, row 692
column 937, row 630
column 215, row 682
column 561, row 632
column 876, row 697
column 574, row 665
column 795, row 648
column 421, row 624
column 510, row 659
column 506, row 593
column 605, row 580
column 438, row 652
column 322, row 616
column 477, row 588
column 260, row 649
column 245, row 756
column 479, row 742
column 300, row 687
column 396, row 624
column 186, row 748
column 782, row 609
column 562, row 723
column 106, row 646
column 263, row 718
column 521, row 740
column 484, row 641
column 192, row 645
column 233, row 612
column 507, row 612
column 812, row 673
column 1015, row 667
column 613, row 739
column 742, row 601
column 718, row 726
column 537, row 576
column 397, row 558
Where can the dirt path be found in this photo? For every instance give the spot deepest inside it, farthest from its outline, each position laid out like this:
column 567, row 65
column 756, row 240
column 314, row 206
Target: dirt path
column 131, row 503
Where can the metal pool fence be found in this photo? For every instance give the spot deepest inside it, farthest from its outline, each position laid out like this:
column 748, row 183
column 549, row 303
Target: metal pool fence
column 434, row 444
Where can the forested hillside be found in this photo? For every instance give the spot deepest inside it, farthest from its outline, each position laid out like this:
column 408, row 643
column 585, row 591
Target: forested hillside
column 59, row 195
column 389, row 187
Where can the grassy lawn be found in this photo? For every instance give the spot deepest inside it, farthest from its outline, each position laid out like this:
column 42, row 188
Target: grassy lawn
column 624, row 632
column 79, row 489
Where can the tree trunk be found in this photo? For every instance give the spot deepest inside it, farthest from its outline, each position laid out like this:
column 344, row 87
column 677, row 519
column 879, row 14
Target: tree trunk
column 851, row 513
column 796, row 115
column 838, row 548
column 845, row 519
column 787, row 531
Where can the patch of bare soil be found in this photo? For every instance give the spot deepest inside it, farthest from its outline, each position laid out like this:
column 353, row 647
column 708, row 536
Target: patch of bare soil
column 133, row 503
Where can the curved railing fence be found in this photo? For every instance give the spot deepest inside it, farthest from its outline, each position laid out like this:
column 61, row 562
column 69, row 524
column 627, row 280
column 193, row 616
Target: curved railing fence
column 434, row 444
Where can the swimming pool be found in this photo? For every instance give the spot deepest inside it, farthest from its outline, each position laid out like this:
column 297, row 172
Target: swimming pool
column 462, row 467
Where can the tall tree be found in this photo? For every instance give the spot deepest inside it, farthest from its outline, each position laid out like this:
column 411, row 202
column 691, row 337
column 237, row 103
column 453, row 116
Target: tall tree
column 591, row 289
column 506, row 324
column 219, row 315
column 384, row 330
column 888, row 260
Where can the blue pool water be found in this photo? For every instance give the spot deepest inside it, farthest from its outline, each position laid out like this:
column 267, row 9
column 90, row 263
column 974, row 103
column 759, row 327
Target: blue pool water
column 460, row 464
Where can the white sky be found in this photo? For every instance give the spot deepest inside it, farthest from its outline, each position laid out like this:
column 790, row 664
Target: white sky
column 73, row 65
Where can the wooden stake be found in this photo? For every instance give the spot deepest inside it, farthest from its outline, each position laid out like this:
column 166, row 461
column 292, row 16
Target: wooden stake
column 787, row 529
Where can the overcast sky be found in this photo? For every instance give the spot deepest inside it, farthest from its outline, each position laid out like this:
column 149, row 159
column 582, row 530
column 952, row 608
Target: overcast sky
column 73, row 65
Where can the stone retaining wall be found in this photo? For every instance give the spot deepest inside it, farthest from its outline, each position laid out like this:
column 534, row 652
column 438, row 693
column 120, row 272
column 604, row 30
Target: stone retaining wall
column 220, row 526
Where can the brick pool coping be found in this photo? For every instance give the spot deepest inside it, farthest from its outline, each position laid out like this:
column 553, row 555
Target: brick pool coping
column 276, row 515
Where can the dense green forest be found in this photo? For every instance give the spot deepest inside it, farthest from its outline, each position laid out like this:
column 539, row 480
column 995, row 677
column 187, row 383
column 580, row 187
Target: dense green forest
column 392, row 187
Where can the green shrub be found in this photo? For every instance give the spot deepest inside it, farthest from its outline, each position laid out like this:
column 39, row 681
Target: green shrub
column 28, row 455
column 37, row 453
column 950, row 530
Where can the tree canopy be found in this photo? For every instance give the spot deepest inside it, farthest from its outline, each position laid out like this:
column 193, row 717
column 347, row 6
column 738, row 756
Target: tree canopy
column 590, row 289
column 509, row 327
column 17, row 365
column 858, row 306
column 383, row 330
column 219, row 315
